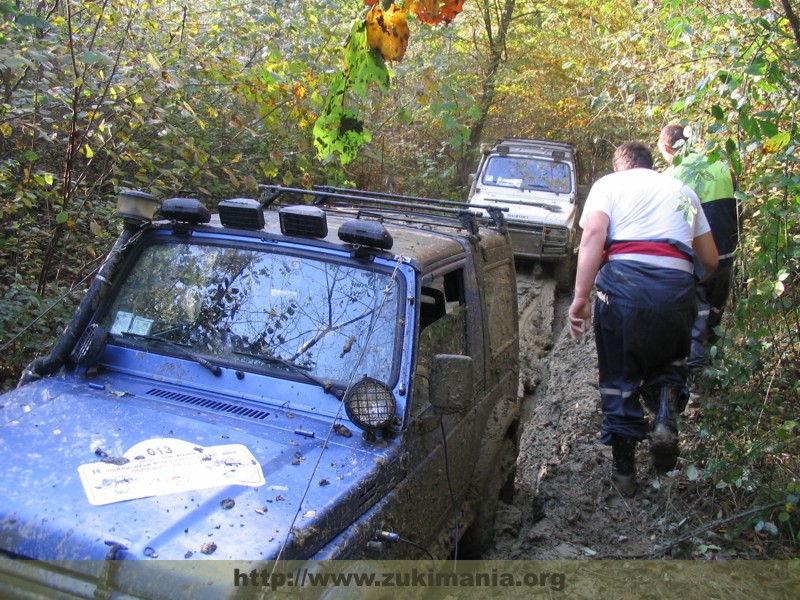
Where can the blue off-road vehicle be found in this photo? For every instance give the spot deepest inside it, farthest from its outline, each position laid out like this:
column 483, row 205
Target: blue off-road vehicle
column 331, row 379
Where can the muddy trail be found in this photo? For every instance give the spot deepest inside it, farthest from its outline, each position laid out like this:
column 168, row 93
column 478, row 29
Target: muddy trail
column 564, row 506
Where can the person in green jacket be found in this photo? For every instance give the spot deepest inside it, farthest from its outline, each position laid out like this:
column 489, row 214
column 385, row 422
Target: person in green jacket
column 716, row 185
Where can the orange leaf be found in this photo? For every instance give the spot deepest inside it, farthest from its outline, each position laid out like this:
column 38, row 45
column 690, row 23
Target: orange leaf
column 434, row 12
column 388, row 31
column 451, row 8
column 427, row 11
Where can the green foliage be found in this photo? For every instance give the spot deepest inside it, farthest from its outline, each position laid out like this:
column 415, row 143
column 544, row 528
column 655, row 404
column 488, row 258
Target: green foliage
column 739, row 74
column 27, row 323
column 339, row 130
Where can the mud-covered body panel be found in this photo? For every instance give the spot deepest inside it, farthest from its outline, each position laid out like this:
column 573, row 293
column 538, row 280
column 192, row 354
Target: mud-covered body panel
column 51, row 431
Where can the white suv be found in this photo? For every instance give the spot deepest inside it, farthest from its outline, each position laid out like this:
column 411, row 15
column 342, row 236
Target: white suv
column 537, row 182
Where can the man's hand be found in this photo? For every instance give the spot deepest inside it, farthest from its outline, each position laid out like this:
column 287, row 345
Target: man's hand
column 580, row 317
column 590, row 255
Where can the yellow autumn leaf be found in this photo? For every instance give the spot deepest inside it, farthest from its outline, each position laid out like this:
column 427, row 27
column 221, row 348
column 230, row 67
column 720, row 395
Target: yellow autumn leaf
column 777, row 142
column 153, row 61
column 388, row 31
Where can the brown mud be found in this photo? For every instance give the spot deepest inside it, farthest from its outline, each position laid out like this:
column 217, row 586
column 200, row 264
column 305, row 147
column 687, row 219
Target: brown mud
column 564, row 506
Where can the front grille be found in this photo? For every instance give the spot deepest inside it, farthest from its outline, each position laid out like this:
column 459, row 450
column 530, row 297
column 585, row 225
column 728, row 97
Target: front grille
column 526, row 242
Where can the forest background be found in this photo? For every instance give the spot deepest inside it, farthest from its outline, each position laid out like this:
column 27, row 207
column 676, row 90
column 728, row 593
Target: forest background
column 212, row 98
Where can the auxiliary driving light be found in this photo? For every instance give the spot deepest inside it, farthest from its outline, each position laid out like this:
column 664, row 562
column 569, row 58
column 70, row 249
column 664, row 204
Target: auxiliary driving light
column 185, row 210
column 241, row 213
column 136, row 205
column 366, row 233
column 303, row 221
column 370, row 404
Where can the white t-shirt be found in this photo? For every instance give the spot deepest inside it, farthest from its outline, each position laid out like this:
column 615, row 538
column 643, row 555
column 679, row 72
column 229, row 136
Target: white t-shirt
column 643, row 204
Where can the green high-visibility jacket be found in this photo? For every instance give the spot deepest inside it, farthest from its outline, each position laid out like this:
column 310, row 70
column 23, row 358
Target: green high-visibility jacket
column 714, row 183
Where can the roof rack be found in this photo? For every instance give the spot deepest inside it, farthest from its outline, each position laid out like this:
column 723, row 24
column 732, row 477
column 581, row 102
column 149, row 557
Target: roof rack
column 540, row 145
column 396, row 207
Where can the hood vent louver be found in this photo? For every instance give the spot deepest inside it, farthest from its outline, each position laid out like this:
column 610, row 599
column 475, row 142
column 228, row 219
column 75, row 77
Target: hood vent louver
column 215, row 405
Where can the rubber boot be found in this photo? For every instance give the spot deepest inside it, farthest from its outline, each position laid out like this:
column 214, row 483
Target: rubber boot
column 664, row 436
column 623, row 469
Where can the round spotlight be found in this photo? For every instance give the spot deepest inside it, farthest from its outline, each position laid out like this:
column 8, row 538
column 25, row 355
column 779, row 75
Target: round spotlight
column 370, row 404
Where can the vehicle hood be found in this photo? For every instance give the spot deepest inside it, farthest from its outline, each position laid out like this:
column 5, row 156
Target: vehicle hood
column 68, row 442
column 534, row 206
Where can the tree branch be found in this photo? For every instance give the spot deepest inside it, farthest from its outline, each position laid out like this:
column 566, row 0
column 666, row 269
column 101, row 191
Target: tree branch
column 693, row 533
column 793, row 20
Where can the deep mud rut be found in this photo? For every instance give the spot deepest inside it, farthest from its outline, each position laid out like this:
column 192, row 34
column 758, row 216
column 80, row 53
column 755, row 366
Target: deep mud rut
column 564, row 506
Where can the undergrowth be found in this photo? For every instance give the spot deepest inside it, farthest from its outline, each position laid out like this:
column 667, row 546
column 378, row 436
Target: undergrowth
column 737, row 483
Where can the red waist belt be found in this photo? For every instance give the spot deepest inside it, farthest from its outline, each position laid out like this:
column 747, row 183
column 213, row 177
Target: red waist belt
column 644, row 247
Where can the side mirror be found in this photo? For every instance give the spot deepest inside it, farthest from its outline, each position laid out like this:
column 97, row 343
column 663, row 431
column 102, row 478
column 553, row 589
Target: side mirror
column 451, row 386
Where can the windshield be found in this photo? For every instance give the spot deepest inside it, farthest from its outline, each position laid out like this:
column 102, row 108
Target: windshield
column 528, row 174
column 260, row 311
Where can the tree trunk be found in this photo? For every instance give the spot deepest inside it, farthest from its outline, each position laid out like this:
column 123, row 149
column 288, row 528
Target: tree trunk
column 793, row 20
column 496, row 21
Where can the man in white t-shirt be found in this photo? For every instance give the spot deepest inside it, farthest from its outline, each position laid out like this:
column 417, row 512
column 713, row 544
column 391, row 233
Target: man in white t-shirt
column 645, row 238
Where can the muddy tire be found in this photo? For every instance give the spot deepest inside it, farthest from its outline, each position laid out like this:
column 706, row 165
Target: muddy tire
column 564, row 274
column 499, row 486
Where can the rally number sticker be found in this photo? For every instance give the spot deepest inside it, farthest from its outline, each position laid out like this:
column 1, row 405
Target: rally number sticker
column 163, row 466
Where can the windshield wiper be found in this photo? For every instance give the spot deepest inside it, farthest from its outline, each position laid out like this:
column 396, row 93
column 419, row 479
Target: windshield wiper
column 183, row 352
column 544, row 205
column 536, row 186
column 326, row 385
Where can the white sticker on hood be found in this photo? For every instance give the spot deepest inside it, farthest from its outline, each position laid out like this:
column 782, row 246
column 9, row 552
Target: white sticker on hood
column 166, row 466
